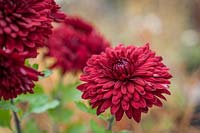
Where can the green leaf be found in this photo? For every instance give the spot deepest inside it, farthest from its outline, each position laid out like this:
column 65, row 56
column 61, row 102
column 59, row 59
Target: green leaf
column 70, row 93
column 27, row 63
column 64, row 116
column 47, row 72
column 38, row 102
column 33, row 99
column 92, row 111
column 96, row 128
column 31, row 127
column 35, row 66
column 103, row 117
column 77, row 128
column 45, row 107
column 5, row 117
column 38, row 89
column 82, row 106
column 8, row 106
column 67, row 93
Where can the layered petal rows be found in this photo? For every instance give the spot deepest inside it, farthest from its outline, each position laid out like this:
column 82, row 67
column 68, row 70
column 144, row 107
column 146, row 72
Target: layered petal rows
column 127, row 80
column 26, row 24
column 73, row 43
column 15, row 77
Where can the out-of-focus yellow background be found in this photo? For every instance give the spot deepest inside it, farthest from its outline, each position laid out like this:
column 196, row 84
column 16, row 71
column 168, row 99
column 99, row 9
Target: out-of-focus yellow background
column 172, row 27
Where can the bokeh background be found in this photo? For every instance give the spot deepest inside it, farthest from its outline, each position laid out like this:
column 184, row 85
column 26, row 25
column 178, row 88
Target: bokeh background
column 172, row 27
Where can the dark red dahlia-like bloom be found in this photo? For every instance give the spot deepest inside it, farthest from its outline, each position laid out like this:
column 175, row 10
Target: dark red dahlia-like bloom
column 73, row 43
column 26, row 24
column 125, row 79
column 15, row 78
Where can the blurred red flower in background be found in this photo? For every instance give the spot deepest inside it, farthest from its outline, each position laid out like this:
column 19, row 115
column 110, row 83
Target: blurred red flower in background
column 125, row 79
column 15, row 77
column 73, row 43
column 26, row 24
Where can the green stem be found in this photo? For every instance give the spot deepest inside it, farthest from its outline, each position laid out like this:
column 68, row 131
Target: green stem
column 16, row 119
column 110, row 123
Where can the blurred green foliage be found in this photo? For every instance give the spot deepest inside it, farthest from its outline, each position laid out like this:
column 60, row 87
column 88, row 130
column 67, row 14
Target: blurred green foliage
column 84, row 108
column 191, row 56
column 96, row 128
column 5, row 118
column 76, row 128
column 38, row 103
column 31, row 127
column 6, row 105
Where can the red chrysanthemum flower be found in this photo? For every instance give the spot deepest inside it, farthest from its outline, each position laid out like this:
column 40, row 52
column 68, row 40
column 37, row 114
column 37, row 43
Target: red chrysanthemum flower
column 56, row 14
column 15, row 77
column 26, row 24
column 125, row 79
column 73, row 43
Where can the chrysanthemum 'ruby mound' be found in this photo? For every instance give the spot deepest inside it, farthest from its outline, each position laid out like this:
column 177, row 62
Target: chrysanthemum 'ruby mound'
column 125, row 79
column 26, row 24
column 15, row 77
column 73, row 43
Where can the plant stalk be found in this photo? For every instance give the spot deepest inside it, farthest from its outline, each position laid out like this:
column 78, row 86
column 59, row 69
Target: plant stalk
column 110, row 123
column 16, row 119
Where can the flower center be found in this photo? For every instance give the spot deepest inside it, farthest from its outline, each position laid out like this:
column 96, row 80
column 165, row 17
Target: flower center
column 121, row 66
